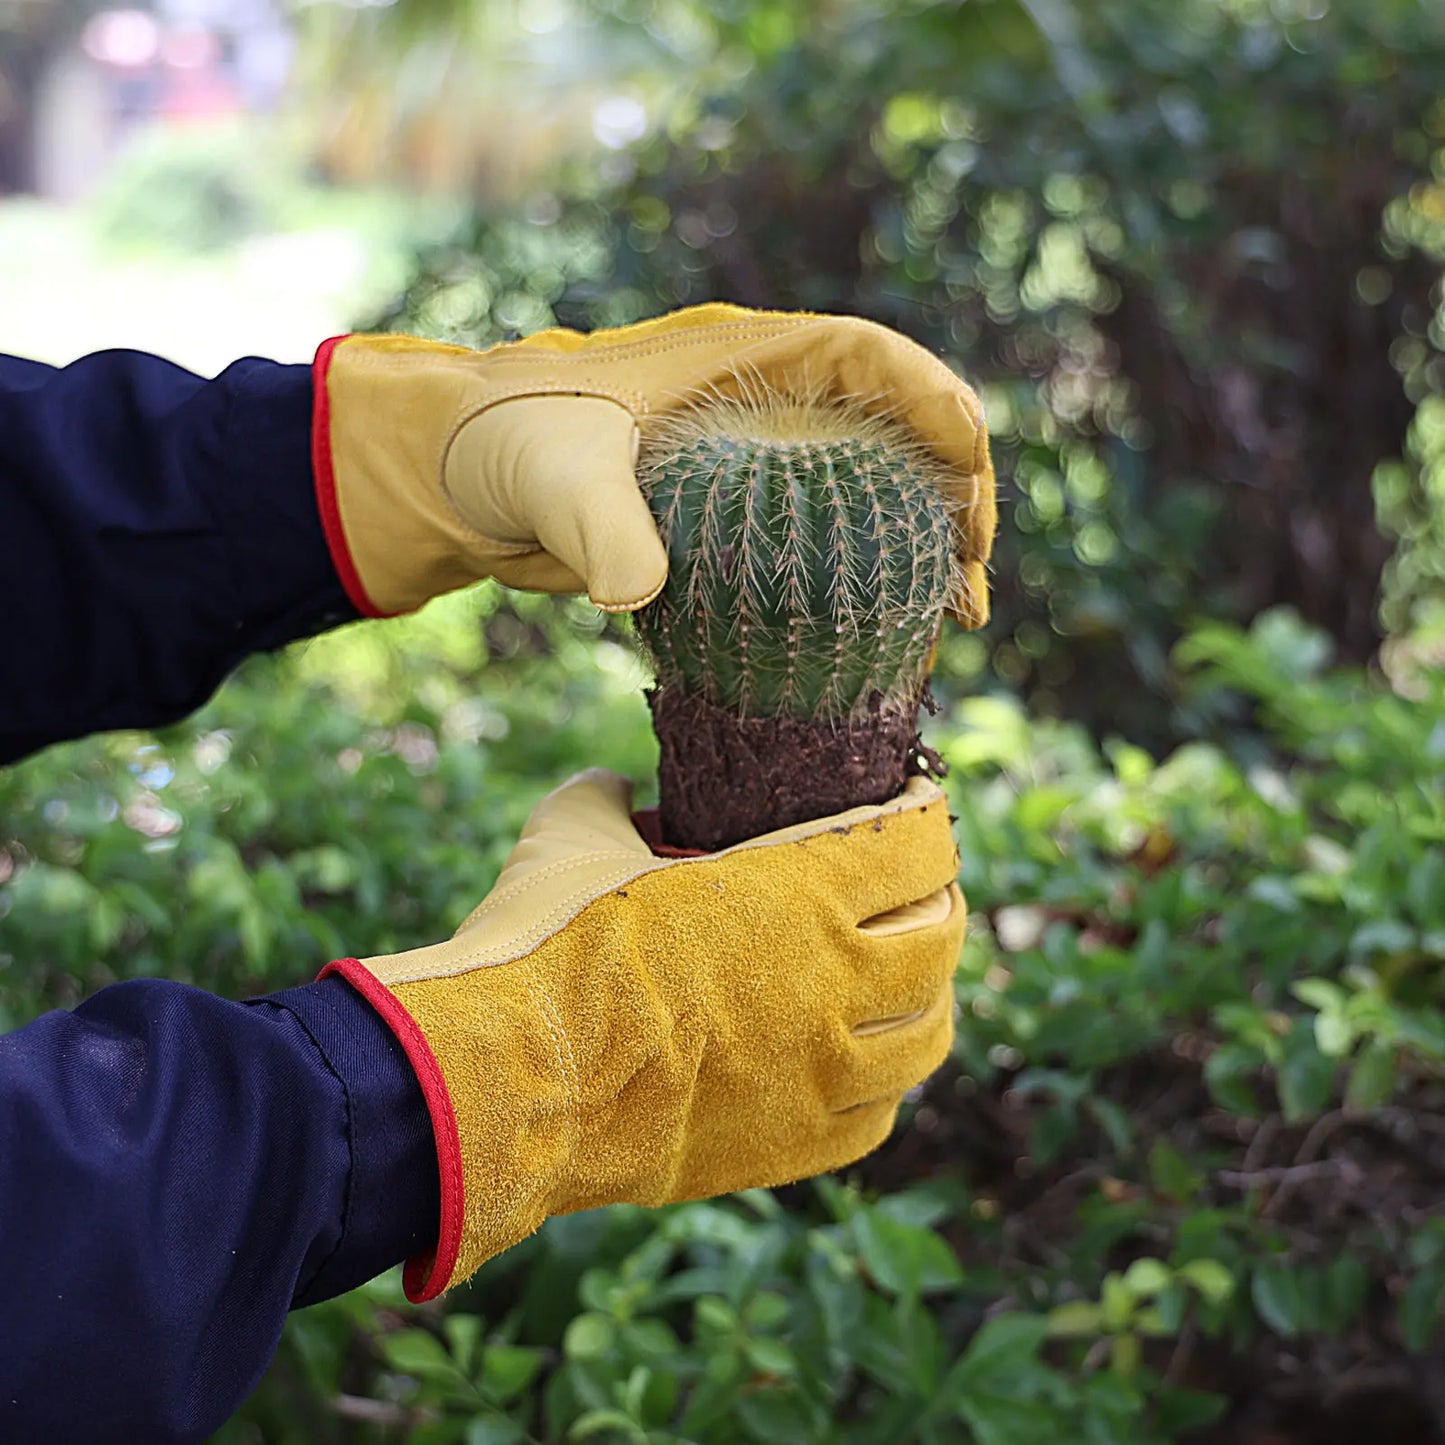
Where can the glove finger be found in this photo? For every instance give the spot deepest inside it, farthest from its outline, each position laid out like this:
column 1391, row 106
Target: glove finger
column 886, row 1063
column 581, row 832
column 858, row 1131
column 969, row 603
column 910, row 917
column 596, row 521
column 813, row 1144
column 894, row 978
column 592, row 810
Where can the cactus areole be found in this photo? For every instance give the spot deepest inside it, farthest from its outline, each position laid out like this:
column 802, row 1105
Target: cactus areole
column 811, row 560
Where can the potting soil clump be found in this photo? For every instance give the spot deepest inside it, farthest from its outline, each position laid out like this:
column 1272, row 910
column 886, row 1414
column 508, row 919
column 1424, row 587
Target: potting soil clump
column 811, row 560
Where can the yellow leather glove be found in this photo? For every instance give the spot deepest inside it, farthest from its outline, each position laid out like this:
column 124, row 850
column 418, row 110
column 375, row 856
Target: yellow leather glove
column 610, row 1026
column 436, row 465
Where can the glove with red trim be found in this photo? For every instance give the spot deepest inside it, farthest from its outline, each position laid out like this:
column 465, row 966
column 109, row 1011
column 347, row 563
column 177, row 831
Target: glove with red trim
column 611, row 1026
column 436, row 466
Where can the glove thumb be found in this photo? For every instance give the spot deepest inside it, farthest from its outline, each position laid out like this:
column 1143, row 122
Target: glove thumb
column 581, row 832
column 555, row 473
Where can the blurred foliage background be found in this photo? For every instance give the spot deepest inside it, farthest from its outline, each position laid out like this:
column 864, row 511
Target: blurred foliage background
column 1184, row 1178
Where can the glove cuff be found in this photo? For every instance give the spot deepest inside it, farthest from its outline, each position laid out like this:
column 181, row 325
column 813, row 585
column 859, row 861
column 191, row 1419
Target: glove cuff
column 384, row 411
column 323, row 472
column 425, row 1275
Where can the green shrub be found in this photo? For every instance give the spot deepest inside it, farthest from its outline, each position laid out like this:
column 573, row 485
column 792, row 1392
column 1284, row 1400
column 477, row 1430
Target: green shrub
column 1186, row 1158
column 1187, row 250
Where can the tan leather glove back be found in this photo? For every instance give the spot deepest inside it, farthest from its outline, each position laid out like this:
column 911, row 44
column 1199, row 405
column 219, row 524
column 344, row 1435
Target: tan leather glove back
column 609, row 1026
column 436, row 465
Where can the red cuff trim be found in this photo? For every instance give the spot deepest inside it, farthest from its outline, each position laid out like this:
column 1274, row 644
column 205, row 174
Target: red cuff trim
column 426, row 1275
column 325, row 479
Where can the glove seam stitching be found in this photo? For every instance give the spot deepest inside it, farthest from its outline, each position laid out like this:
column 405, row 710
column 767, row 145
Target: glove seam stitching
column 738, row 330
column 549, row 871
column 518, row 945
column 652, row 346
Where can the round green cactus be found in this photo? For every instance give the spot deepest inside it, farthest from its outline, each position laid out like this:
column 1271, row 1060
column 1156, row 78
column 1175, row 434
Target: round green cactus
column 810, row 560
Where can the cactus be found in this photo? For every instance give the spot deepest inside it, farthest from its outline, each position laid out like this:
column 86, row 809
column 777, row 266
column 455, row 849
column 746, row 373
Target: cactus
column 811, row 559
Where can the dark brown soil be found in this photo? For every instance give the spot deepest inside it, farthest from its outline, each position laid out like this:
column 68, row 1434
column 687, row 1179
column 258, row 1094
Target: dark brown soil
column 724, row 778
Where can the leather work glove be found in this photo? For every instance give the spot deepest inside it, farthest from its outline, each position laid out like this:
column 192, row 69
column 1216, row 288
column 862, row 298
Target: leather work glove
column 610, row 1026
column 437, row 465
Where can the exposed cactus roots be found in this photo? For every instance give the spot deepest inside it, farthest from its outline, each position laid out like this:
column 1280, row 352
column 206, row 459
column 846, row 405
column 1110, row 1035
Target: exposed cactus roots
column 724, row 778
column 811, row 556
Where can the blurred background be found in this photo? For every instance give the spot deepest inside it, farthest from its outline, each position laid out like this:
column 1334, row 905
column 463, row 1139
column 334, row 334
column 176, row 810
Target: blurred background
column 1187, row 253
column 1184, row 1178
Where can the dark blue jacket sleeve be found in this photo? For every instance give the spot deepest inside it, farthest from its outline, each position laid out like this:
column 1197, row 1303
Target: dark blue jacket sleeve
column 176, row 1172
column 155, row 528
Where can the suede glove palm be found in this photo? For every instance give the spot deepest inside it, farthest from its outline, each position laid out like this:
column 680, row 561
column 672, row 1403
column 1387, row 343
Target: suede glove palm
column 437, row 465
column 610, row 1026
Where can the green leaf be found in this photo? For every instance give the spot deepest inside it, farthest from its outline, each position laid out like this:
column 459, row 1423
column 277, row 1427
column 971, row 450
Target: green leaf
column 1211, row 1278
column 1322, row 994
column 770, row 1356
column 1117, row 1301
column 494, row 1431
column 598, row 1290
column 716, row 1315
column 1114, row 1120
column 1228, row 1071
column 1346, row 1284
column 1146, row 1277
column 1306, row 1077
column 447, row 1430
column 419, row 1353
column 1124, row 1354
column 776, row 1417
column 1171, row 1306
column 1180, row 1411
column 594, row 1422
column 1001, row 1420
column 1423, row 1030
column 1075, row 1319
column 1334, row 1035
column 1275, row 1290
column 1383, row 935
column 768, row 1310
column 1421, row 1308
column 1171, row 1174
column 1425, row 891
column 904, row 1258
column 1002, row 1346
column 589, row 1337
column 1373, row 1078
column 462, row 1332
column 651, row 1339
column 507, row 1370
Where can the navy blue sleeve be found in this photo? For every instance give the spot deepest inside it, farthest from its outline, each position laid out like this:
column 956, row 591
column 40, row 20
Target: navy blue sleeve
column 176, row 1172
column 155, row 529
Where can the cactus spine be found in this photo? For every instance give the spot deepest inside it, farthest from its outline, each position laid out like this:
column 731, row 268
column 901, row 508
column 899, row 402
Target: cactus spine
column 811, row 559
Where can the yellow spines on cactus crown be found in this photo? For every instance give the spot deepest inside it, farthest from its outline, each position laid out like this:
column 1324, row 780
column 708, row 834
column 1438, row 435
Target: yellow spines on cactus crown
column 810, row 557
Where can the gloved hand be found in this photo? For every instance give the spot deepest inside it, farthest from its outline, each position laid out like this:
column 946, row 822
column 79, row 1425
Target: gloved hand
column 436, row 465
column 610, row 1026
